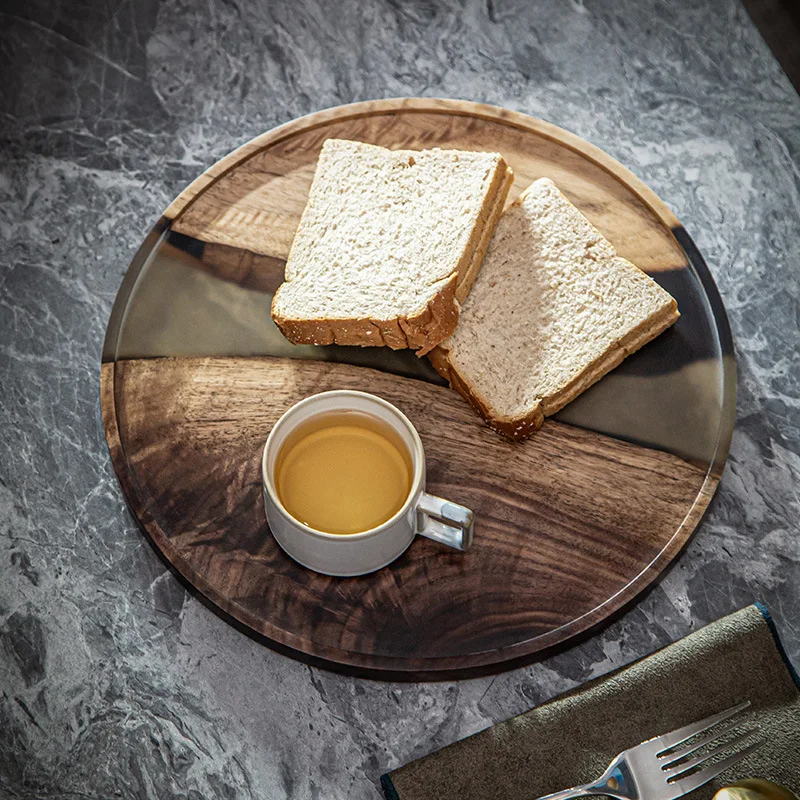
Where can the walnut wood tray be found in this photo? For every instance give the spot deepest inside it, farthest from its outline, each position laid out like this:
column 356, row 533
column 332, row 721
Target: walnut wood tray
column 571, row 525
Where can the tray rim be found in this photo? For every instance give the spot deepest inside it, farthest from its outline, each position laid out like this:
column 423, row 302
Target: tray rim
column 447, row 667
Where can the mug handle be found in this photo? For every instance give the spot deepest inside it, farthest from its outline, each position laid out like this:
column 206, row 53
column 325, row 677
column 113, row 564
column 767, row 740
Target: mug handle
column 444, row 522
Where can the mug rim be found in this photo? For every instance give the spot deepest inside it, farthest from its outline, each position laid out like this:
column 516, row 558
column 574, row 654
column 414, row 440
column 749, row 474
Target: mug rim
column 418, row 455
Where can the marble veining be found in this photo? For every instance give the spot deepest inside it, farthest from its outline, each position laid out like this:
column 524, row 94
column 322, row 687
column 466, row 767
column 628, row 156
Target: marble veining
column 113, row 681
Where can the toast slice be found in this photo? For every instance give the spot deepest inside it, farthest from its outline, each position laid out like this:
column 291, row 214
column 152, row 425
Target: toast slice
column 389, row 245
column 553, row 310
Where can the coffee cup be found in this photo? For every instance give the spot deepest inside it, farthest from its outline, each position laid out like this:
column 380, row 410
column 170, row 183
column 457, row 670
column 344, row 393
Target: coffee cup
column 337, row 554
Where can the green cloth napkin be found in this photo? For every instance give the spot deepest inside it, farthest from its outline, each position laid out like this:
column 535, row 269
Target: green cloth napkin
column 570, row 740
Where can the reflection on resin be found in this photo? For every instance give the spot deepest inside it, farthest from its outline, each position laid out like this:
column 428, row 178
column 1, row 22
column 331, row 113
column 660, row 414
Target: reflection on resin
column 186, row 302
column 180, row 306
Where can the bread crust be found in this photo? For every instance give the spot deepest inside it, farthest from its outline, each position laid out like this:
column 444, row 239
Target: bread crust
column 643, row 333
column 433, row 324
column 493, row 207
column 523, row 426
column 438, row 319
column 514, row 428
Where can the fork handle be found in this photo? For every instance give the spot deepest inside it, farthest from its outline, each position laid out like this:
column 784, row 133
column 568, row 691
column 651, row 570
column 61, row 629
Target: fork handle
column 576, row 791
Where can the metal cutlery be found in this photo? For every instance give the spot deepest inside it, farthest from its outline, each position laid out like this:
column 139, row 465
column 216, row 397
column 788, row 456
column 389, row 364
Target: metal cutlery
column 661, row 768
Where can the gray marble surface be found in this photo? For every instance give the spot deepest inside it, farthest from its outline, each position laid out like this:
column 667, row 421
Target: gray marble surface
column 113, row 681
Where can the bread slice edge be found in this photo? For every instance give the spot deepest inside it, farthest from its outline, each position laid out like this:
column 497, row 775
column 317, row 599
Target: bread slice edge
column 488, row 217
column 521, row 426
column 435, row 322
column 638, row 337
column 515, row 428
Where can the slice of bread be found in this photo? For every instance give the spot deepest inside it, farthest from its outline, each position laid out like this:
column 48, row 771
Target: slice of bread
column 553, row 310
column 389, row 244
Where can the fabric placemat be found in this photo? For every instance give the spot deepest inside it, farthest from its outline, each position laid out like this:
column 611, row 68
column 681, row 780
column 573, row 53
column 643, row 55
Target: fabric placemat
column 571, row 739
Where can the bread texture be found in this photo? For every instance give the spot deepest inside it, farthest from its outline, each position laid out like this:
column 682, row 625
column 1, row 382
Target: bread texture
column 553, row 310
column 389, row 245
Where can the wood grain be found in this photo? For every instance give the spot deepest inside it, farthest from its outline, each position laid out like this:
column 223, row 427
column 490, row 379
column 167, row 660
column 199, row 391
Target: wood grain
column 564, row 522
column 253, row 199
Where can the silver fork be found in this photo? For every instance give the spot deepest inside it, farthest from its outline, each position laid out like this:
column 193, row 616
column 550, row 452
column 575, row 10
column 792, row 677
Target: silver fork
column 658, row 769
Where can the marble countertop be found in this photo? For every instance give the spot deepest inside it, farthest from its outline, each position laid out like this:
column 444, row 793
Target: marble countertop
column 114, row 681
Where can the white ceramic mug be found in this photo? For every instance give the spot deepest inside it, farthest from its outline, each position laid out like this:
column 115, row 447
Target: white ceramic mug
column 360, row 553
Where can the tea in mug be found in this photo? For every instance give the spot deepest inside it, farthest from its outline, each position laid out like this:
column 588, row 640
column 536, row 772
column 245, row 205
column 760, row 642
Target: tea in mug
column 343, row 472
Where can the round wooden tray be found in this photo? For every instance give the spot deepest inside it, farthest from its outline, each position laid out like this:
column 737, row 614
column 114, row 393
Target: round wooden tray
column 571, row 525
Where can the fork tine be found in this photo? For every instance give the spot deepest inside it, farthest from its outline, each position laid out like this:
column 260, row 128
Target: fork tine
column 679, row 736
column 672, row 769
column 692, row 782
column 678, row 752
